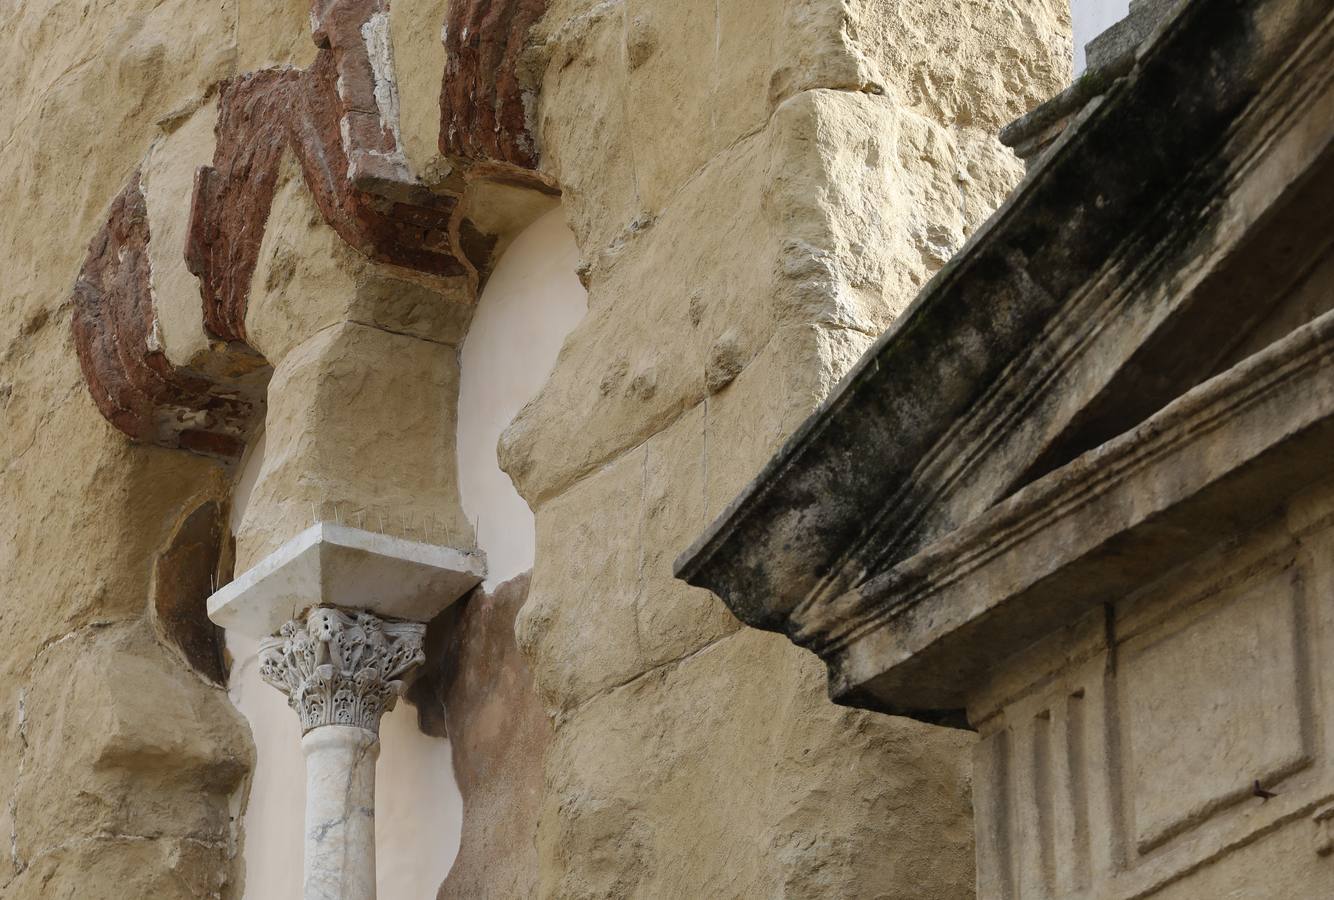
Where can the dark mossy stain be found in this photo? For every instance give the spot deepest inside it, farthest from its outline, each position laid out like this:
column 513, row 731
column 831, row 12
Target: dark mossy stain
column 1138, row 179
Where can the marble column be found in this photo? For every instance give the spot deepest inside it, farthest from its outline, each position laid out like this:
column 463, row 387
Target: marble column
column 340, row 671
column 368, row 596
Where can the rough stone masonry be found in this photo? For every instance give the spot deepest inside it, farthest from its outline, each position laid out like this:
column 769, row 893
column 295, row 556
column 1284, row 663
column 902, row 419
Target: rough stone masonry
column 235, row 212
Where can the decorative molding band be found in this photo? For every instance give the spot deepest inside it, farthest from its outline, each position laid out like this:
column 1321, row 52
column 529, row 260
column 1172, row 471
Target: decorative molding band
column 339, row 668
column 1040, row 558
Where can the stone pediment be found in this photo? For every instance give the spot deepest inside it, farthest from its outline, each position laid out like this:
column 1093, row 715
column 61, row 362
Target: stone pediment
column 1129, row 291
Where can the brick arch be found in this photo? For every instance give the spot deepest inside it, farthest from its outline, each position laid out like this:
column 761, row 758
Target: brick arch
column 330, row 116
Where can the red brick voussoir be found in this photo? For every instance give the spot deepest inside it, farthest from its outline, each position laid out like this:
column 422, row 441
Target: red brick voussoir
column 135, row 386
column 338, row 120
column 483, row 108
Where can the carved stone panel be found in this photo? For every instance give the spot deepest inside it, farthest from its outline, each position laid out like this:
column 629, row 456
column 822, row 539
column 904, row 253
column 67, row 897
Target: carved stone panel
column 1214, row 707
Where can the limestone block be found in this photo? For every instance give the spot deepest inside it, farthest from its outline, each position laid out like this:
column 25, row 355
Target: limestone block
column 672, row 68
column 79, row 494
column 582, row 120
column 716, row 777
column 68, row 475
column 303, row 257
column 1237, row 676
column 966, row 63
column 121, row 739
column 585, row 586
column 1283, row 866
column 419, row 65
column 360, row 429
column 672, row 618
column 79, row 78
column 622, row 78
column 639, row 358
column 115, row 867
column 818, row 47
column 867, row 195
column 748, row 422
column 168, row 181
column 836, row 214
column 603, row 605
column 708, row 75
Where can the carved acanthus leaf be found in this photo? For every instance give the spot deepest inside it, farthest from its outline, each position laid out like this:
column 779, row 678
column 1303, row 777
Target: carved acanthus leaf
column 338, row 668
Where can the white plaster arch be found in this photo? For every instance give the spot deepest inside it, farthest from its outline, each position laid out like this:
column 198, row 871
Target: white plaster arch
column 532, row 300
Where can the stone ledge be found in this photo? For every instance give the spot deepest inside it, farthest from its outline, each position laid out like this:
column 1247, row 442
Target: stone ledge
column 1111, row 55
column 337, row 565
column 962, row 401
column 916, row 639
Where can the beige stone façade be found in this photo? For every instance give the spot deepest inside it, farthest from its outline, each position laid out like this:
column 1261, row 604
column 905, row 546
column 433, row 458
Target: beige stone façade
column 757, row 189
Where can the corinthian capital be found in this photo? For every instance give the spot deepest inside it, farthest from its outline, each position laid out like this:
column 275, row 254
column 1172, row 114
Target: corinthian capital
column 338, row 668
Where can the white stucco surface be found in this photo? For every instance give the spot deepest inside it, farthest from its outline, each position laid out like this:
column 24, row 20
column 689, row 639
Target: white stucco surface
column 1091, row 18
column 531, row 302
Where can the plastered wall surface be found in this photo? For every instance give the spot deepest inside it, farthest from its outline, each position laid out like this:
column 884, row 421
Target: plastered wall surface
column 530, row 303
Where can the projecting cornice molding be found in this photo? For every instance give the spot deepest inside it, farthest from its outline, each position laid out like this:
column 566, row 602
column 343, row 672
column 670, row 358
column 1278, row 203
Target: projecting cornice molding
column 1133, row 265
column 339, row 120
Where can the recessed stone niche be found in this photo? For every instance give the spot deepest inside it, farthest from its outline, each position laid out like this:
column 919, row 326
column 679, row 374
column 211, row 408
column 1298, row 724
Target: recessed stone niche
column 183, row 577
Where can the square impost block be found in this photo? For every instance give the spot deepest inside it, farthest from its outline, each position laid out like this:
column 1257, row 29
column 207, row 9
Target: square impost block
column 337, row 565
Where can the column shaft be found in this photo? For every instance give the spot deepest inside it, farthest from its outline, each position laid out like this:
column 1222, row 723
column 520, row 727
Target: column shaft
column 340, row 812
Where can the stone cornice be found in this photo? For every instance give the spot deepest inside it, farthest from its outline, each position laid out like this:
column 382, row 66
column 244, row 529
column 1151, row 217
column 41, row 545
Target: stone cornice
column 990, row 378
column 1218, row 460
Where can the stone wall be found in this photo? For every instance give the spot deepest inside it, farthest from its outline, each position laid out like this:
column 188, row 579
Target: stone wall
column 1093, row 786
column 757, row 190
column 118, row 760
column 125, row 766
